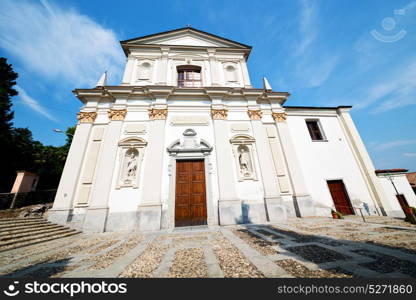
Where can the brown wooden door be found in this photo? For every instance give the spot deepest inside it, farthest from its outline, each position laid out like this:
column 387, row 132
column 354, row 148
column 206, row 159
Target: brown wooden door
column 340, row 197
column 190, row 202
column 403, row 202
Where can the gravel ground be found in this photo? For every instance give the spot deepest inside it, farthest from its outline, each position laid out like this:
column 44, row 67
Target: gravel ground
column 232, row 262
column 264, row 247
column 298, row 270
column 104, row 260
column 386, row 263
column 189, row 263
column 317, row 254
column 147, row 262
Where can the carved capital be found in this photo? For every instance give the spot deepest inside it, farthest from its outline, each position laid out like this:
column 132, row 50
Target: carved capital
column 219, row 114
column 158, row 114
column 117, row 114
column 86, row 116
column 279, row 117
column 255, row 114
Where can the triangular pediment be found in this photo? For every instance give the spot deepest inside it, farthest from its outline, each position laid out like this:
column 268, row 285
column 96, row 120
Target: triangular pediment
column 185, row 37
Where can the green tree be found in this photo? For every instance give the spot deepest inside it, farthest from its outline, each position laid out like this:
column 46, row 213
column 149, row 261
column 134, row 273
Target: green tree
column 7, row 81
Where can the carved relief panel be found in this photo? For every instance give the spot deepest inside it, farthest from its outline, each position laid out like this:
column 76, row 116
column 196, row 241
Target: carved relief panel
column 242, row 146
column 131, row 156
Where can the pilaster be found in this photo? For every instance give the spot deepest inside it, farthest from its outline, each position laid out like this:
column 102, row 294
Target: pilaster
column 65, row 194
column 95, row 219
column 303, row 201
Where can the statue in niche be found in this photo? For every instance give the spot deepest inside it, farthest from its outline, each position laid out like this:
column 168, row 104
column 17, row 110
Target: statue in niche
column 130, row 166
column 244, row 160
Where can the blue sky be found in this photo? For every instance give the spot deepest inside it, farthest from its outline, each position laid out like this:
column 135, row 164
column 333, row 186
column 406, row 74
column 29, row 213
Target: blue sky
column 325, row 53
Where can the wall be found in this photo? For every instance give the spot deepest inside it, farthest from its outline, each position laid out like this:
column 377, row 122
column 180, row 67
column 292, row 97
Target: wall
column 327, row 160
column 403, row 187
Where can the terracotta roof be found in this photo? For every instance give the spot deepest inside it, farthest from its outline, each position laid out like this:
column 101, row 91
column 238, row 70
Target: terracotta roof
column 411, row 177
column 391, row 171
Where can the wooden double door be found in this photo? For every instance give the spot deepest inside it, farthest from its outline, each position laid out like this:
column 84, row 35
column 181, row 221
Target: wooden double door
column 190, row 196
column 340, row 197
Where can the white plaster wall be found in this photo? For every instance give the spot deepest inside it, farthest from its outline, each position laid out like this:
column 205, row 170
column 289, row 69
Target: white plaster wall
column 403, row 187
column 128, row 198
column 327, row 160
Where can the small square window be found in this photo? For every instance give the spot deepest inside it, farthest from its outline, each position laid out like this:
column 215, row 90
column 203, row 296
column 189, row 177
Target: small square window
column 315, row 131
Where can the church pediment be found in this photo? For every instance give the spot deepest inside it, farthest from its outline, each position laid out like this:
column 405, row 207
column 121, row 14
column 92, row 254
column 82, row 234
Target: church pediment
column 184, row 37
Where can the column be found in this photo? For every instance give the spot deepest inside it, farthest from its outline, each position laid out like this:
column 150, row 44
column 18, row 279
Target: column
column 272, row 200
column 150, row 207
column 303, row 202
column 163, row 66
column 96, row 217
column 213, row 67
column 246, row 78
column 364, row 161
column 229, row 206
column 64, row 198
column 128, row 71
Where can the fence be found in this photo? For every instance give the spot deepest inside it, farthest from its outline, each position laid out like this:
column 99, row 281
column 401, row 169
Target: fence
column 25, row 199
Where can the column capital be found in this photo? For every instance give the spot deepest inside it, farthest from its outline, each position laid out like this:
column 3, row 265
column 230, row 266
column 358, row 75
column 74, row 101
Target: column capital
column 86, row 116
column 158, row 114
column 219, row 114
column 117, row 114
column 255, row 114
column 279, row 117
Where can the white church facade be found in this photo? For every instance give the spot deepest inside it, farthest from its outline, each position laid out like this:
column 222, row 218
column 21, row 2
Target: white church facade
column 186, row 140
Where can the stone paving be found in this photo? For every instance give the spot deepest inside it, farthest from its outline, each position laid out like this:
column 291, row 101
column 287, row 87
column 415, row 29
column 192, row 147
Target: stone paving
column 308, row 247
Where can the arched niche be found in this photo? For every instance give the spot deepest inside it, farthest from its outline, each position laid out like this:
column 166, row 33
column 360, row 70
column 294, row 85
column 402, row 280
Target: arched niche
column 144, row 71
column 131, row 151
column 243, row 150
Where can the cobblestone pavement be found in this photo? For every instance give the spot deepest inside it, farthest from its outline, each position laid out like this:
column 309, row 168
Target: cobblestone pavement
column 307, row 247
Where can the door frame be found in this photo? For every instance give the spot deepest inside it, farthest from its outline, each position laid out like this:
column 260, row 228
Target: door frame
column 203, row 153
column 345, row 190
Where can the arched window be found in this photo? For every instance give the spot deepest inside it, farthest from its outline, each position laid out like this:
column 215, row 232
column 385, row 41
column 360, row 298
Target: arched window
column 189, row 76
column 144, row 71
column 231, row 74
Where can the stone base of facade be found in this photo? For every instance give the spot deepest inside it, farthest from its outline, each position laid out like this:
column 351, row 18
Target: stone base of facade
column 276, row 209
column 59, row 216
column 122, row 221
column 253, row 212
column 230, row 212
column 149, row 217
column 95, row 220
column 395, row 213
column 306, row 205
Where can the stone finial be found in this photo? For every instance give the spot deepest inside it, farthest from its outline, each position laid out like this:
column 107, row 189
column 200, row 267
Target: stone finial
column 158, row 114
column 219, row 114
column 103, row 80
column 86, row 116
column 279, row 117
column 255, row 114
column 266, row 84
column 117, row 114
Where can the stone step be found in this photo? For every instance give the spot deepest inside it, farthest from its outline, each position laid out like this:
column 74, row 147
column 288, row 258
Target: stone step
column 5, row 227
column 32, row 233
column 20, row 220
column 21, row 244
column 34, row 237
column 26, row 229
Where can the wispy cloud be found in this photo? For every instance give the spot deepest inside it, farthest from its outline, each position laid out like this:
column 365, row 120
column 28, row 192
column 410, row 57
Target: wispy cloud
column 33, row 104
column 312, row 65
column 396, row 89
column 57, row 43
column 410, row 154
column 393, row 144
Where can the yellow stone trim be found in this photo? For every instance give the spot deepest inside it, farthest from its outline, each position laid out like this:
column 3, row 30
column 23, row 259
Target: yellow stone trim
column 279, row 117
column 117, row 114
column 219, row 114
column 86, row 116
column 158, row 114
column 255, row 114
